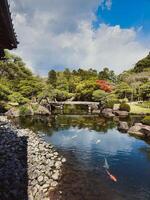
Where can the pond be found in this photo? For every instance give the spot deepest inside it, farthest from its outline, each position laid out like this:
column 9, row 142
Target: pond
column 87, row 141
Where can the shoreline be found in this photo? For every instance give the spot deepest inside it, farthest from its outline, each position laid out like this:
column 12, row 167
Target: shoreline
column 35, row 166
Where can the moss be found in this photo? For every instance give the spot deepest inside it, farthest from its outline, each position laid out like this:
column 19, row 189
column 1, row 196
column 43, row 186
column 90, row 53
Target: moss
column 25, row 110
column 146, row 120
column 35, row 107
column 124, row 107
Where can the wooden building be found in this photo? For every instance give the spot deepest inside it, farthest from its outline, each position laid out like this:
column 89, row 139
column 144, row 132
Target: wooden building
column 8, row 39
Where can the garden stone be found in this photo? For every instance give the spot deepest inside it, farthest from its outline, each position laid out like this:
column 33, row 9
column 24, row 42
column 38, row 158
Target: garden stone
column 123, row 126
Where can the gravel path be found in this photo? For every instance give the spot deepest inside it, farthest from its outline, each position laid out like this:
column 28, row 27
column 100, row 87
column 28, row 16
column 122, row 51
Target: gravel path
column 29, row 167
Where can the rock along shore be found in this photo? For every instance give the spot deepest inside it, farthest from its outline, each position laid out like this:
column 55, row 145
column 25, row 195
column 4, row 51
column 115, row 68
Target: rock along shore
column 29, row 167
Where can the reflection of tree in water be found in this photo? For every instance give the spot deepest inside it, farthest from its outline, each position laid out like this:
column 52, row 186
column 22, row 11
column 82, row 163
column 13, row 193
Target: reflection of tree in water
column 36, row 123
column 63, row 122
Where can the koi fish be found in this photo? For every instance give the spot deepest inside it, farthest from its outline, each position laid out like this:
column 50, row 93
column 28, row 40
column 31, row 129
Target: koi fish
column 98, row 141
column 106, row 166
column 112, row 177
column 74, row 136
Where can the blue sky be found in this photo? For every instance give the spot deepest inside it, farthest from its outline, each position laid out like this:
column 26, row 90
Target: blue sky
column 126, row 13
column 82, row 33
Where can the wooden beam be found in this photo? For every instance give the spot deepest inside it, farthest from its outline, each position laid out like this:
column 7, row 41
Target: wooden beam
column 8, row 38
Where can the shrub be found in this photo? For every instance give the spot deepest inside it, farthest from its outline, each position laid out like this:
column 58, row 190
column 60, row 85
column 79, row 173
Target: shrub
column 124, row 107
column 16, row 97
column 25, row 110
column 111, row 100
column 146, row 120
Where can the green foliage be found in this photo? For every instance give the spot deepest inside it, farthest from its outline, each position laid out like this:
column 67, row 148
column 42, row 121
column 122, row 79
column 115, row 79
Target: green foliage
column 146, row 120
column 25, row 110
column 30, row 87
column 124, row 107
column 52, row 77
column 123, row 90
column 145, row 91
column 16, row 97
column 4, row 92
column 19, row 85
column 13, row 68
column 145, row 104
column 62, row 95
column 99, row 95
column 85, row 89
column 142, row 64
column 47, row 92
column 107, row 74
column 111, row 100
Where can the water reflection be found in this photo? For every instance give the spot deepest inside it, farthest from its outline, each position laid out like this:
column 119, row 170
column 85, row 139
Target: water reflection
column 84, row 177
column 63, row 122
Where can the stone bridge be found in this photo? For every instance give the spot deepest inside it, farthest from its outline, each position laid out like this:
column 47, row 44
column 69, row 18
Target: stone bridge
column 61, row 104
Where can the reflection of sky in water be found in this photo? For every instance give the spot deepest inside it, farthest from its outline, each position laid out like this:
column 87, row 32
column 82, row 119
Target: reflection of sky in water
column 83, row 142
column 123, row 153
column 85, row 139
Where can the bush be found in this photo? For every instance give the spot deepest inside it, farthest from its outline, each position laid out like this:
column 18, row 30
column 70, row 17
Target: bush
column 124, row 107
column 111, row 101
column 25, row 110
column 16, row 97
column 146, row 120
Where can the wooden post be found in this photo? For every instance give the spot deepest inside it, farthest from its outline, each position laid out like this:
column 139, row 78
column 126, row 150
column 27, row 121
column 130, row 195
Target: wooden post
column 89, row 108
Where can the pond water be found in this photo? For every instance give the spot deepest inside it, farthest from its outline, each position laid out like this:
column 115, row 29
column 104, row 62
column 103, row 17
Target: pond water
column 86, row 140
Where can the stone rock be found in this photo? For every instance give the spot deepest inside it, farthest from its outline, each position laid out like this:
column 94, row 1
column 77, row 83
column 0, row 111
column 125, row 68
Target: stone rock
column 55, row 176
column 108, row 112
column 140, row 129
column 63, row 160
column 121, row 113
column 45, row 186
column 13, row 112
column 123, row 126
column 135, row 130
column 44, row 163
column 54, row 183
column 146, row 130
column 58, row 164
column 41, row 110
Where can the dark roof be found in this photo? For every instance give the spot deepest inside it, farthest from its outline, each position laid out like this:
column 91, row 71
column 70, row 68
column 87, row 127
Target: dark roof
column 8, row 39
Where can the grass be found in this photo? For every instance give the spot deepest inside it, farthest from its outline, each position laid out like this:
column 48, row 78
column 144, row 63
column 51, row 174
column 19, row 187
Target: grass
column 138, row 108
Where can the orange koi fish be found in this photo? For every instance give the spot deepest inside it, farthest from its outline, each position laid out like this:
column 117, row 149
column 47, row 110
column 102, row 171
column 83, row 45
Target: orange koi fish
column 113, row 178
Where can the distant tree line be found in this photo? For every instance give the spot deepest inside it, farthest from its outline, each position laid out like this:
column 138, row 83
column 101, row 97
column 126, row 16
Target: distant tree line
column 19, row 85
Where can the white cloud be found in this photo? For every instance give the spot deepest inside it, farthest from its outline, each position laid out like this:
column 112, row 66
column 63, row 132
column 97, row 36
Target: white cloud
column 106, row 4
column 53, row 34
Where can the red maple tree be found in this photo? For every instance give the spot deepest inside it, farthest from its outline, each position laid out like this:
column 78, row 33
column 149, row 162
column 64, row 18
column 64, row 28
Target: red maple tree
column 104, row 85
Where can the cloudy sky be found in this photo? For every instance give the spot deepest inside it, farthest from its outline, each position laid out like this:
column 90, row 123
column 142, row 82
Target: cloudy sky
column 81, row 33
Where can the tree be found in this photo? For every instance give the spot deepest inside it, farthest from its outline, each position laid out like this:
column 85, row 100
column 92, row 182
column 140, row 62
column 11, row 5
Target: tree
column 62, row 95
column 99, row 95
column 107, row 74
column 16, row 97
column 142, row 64
column 85, row 89
column 30, row 87
column 145, row 91
column 52, row 77
column 123, row 90
column 4, row 92
column 104, row 85
column 67, row 74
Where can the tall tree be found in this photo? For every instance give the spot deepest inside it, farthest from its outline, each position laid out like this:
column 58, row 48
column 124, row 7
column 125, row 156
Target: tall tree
column 52, row 77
